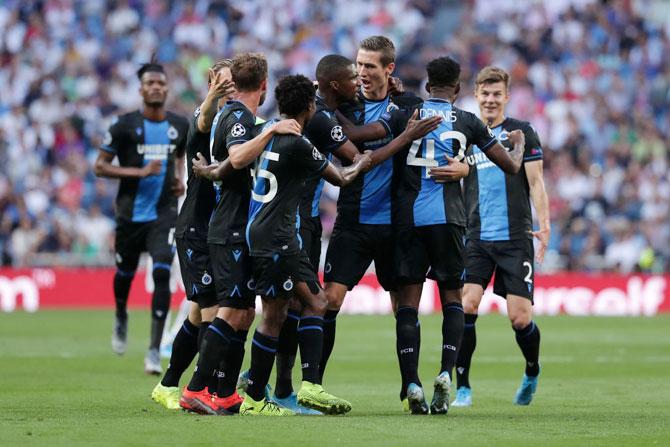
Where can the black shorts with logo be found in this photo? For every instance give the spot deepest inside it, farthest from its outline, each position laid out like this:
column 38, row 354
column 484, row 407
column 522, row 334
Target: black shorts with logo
column 233, row 280
column 196, row 270
column 353, row 248
column 276, row 276
column 310, row 234
column 511, row 261
column 432, row 251
column 133, row 238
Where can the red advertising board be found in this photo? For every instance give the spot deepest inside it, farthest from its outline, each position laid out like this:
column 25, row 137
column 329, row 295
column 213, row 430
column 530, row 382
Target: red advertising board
column 567, row 293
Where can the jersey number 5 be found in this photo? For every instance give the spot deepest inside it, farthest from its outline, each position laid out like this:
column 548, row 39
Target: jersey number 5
column 429, row 161
column 261, row 173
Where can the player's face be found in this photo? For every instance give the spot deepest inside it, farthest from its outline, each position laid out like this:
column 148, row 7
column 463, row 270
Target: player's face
column 348, row 84
column 492, row 99
column 153, row 88
column 374, row 76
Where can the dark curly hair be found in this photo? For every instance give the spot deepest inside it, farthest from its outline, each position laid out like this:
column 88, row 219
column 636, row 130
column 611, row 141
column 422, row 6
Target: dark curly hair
column 294, row 94
column 443, row 72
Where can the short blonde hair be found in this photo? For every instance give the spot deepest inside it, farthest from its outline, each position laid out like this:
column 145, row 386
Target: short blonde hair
column 490, row 75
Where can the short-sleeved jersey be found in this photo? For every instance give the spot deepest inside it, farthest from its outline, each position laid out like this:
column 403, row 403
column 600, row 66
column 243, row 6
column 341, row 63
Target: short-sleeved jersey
column 325, row 132
column 367, row 200
column 283, row 168
column 200, row 200
column 497, row 203
column 420, row 200
column 136, row 141
column 232, row 125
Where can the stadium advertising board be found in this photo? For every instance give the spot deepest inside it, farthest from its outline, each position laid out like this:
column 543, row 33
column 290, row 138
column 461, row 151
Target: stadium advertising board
column 565, row 293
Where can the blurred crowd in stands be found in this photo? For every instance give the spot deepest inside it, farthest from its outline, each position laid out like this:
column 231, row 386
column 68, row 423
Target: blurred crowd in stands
column 593, row 77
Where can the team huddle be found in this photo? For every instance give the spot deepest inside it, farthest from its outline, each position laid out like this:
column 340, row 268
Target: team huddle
column 426, row 191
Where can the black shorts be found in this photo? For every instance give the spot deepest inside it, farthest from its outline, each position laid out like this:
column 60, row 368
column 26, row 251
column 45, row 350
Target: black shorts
column 133, row 238
column 196, row 270
column 435, row 249
column 276, row 276
column 353, row 248
column 310, row 234
column 512, row 262
column 232, row 275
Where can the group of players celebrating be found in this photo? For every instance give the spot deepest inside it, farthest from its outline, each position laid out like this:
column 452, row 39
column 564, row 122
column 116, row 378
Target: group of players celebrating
column 427, row 191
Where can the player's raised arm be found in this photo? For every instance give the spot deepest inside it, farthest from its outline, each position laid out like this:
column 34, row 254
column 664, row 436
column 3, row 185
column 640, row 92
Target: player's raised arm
column 220, row 86
column 510, row 162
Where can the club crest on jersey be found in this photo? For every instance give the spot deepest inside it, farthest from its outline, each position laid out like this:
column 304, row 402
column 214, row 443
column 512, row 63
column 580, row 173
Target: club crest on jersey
column 206, row 279
column 504, row 135
column 238, row 130
column 391, row 107
column 316, row 154
column 336, row 133
column 172, row 133
column 328, row 268
column 107, row 140
column 288, row 285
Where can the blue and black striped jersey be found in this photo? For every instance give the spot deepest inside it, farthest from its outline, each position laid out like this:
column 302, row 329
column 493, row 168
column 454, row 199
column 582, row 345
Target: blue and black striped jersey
column 421, row 201
column 498, row 204
column 136, row 141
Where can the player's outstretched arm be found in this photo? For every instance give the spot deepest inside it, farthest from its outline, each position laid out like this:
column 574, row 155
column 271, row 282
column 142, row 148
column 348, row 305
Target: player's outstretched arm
column 344, row 176
column 241, row 155
column 214, row 171
column 510, row 162
column 219, row 88
column 538, row 195
column 103, row 167
column 358, row 134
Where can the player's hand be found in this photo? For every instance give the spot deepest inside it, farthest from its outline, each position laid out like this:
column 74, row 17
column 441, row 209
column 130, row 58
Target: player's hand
column 220, row 87
column 287, row 127
column 200, row 165
column 516, row 137
column 542, row 235
column 395, row 86
column 178, row 188
column 365, row 160
column 453, row 171
column 417, row 128
column 154, row 167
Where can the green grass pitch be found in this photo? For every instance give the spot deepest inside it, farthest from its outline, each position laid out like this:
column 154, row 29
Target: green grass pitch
column 604, row 382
